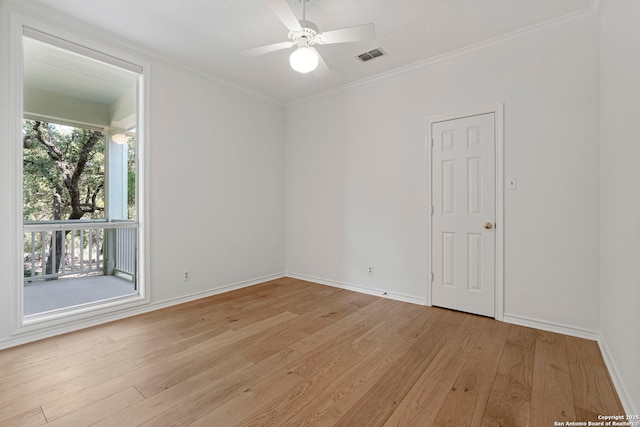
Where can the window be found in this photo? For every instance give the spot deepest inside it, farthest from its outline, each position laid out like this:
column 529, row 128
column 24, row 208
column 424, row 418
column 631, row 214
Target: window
column 81, row 180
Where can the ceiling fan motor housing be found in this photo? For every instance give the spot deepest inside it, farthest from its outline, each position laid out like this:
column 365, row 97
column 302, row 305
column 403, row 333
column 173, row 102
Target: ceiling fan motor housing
column 307, row 35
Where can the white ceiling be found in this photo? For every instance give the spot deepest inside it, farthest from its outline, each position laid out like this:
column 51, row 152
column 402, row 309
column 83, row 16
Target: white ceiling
column 209, row 34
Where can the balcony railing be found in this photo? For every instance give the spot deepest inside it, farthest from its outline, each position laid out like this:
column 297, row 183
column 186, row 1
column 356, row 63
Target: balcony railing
column 78, row 248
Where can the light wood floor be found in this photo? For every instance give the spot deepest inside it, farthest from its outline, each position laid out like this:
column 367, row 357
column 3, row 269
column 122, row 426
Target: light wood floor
column 289, row 352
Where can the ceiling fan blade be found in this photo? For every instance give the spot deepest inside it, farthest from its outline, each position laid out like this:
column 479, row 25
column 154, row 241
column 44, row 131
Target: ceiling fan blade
column 349, row 34
column 261, row 50
column 282, row 10
column 323, row 68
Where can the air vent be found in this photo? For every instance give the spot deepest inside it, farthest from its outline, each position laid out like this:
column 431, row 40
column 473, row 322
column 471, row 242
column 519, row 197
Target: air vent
column 367, row 56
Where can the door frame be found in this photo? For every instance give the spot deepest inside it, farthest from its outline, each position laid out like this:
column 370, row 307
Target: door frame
column 498, row 111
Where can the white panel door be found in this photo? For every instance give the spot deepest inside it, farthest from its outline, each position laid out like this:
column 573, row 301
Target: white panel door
column 463, row 196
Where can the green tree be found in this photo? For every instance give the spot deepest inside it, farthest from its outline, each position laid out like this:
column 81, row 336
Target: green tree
column 131, row 177
column 63, row 176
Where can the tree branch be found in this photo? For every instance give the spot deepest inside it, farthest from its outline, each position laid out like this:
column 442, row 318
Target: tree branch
column 87, row 147
column 43, row 137
column 90, row 202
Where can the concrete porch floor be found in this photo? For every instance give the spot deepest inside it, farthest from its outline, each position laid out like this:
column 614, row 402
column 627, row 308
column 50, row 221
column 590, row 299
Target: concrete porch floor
column 67, row 292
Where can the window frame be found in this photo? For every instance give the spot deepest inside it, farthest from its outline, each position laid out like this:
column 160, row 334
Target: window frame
column 81, row 41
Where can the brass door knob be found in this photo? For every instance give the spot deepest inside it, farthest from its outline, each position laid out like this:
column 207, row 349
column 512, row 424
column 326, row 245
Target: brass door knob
column 488, row 225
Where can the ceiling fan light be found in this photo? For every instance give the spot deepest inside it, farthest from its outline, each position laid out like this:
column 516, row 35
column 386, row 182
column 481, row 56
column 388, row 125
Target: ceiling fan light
column 303, row 60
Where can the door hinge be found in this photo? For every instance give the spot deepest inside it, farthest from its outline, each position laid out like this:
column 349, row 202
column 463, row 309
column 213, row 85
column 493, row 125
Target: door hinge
column 432, row 142
column 430, row 209
column 432, row 277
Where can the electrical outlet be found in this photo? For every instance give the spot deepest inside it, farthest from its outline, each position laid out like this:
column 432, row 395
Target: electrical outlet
column 370, row 270
column 187, row 275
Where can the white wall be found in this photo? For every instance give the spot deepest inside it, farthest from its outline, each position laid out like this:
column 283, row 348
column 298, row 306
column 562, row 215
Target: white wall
column 356, row 174
column 217, row 182
column 217, row 202
column 620, row 194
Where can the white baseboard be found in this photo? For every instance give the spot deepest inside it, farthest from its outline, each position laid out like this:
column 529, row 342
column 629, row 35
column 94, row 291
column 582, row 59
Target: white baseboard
column 361, row 289
column 551, row 327
column 31, row 336
column 628, row 405
column 216, row 291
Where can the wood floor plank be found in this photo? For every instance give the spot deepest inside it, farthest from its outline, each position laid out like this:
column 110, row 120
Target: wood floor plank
column 466, row 402
column 330, row 404
column 203, row 384
column 99, row 409
column 333, row 307
column 412, row 321
column 58, row 386
column 552, row 395
column 70, row 402
column 87, row 369
column 234, row 411
column 510, row 400
column 291, row 352
column 592, row 388
column 199, row 394
column 19, row 356
column 340, row 297
column 421, row 405
column 382, row 399
column 319, row 376
column 65, row 365
column 191, row 363
column 208, row 398
column 351, row 327
column 32, row 418
column 37, row 366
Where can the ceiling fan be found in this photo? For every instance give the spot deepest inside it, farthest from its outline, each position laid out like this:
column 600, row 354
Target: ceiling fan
column 304, row 35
